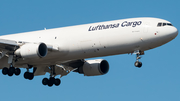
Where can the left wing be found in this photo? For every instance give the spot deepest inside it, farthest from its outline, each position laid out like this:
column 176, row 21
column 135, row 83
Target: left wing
column 11, row 51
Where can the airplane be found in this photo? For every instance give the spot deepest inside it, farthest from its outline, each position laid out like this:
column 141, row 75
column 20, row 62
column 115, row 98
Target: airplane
column 59, row 51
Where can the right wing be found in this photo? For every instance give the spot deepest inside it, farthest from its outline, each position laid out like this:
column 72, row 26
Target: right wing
column 63, row 68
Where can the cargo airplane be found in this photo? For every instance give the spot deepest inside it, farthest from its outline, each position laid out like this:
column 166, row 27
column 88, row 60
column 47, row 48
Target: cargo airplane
column 60, row 51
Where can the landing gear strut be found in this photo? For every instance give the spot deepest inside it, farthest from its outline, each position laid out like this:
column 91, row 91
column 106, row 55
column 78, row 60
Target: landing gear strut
column 138, row 56
column 52, row 79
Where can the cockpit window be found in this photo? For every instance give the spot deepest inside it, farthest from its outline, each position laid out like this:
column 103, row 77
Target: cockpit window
column 164, row 24
column 159, row 24
column 169, row 24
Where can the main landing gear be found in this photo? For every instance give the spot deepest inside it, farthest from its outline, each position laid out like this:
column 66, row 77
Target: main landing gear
column 138, row 56
column 52, row 79
column 28, row 75
column 10, row 71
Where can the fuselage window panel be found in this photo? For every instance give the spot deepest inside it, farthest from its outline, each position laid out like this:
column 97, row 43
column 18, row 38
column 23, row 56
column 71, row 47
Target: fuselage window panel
column 164, row 24
column 169, row 24
column 159, row 24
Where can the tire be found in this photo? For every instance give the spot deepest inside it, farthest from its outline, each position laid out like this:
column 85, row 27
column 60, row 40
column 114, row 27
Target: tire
column 51, row 81
column 50, row 84
column 31, row 76
column 17, row 71
column 10, row 74
column 138, row 64
column 45, row 81
column 11, row 70
column 5, row 71
column 57, row 82
column 26, row 75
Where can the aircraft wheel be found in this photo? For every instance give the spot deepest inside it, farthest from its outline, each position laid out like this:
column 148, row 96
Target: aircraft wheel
column 17, row 71
column 57, row 82
column 45, row 81
column 11, row 71
column 10, row 74
column 50, row 84
column 5, row 71
column 138, row 64
column 26, row 75
column 31, row 76
column 51, row 81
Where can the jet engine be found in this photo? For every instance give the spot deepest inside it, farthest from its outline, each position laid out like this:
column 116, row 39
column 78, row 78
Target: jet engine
column 32, row 50
column 94, row 67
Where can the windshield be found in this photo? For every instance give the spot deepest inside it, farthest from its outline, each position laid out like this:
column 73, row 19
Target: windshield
column 161, row 24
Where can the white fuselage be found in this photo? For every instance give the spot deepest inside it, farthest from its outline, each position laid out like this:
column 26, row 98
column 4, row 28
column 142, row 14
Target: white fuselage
column 97, row 39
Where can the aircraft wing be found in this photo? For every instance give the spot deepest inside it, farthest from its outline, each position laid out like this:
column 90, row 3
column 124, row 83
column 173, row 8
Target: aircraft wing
column 74, row 63
column 8, row 45
column 11, row 45
column 62, row 68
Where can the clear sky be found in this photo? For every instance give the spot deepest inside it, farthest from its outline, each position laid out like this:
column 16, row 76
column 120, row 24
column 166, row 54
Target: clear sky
column 157, row 80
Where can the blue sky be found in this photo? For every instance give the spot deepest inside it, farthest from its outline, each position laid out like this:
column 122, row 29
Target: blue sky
column 157, row 80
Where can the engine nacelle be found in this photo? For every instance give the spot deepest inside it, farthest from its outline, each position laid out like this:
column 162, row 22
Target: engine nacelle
column 32, row 50
column 95, row 67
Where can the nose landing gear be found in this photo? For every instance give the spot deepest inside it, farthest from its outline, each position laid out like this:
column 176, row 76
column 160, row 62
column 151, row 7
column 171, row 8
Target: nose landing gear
column 138, row 56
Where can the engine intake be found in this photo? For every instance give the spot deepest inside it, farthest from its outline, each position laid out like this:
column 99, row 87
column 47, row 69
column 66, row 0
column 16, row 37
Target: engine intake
column 31, row 50
column 94, row 67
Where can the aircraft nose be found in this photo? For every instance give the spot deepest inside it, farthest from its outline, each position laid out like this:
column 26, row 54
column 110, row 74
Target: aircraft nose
column 174, row 32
